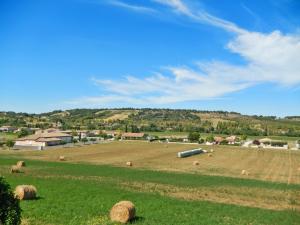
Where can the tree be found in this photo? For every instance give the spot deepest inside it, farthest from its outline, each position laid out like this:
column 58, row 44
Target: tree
column 23, row 133
column 210, row 138
column 84, row 140
column 10, row 211
column 10, row 144
column 244, row 137
column 194, row 136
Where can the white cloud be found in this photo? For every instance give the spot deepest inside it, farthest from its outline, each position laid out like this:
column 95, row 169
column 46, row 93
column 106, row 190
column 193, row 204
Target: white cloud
column 135, row 8
column 273, row 57
column 200, row 15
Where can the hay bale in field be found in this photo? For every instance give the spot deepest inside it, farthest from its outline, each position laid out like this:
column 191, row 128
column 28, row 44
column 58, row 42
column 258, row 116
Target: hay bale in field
column 21, row 164
column 122, row 212
column 245, row 172
column 210, row 155
column 25, row 192
column 211, row 150
column 15, row 169
column 129, row 163
column 196, row 163
column 62, row 158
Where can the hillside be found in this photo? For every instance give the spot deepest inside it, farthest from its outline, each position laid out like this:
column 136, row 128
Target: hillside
column 156, row 120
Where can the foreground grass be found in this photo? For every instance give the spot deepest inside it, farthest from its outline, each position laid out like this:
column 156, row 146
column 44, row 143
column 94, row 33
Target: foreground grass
column 84, row 194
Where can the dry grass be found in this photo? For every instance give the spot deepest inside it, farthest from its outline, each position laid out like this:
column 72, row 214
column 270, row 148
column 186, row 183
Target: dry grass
column 270, row 165
column 252, row 197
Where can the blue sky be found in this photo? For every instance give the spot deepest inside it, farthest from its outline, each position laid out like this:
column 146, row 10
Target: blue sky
column 238, row 55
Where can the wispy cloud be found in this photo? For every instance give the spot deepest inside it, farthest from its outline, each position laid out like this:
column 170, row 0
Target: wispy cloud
column 136, row 8
column 200, row 15
column 272, row 57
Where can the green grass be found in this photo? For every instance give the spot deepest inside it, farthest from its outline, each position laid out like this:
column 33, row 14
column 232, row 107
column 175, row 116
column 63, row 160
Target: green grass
column 78, row 200
column 8, row 136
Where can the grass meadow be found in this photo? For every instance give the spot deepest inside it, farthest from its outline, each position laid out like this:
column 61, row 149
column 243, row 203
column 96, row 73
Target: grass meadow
column 80, row 193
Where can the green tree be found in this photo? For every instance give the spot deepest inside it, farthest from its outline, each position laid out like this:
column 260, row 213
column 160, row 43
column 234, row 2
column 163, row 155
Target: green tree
column 194, row 136
column 23, row 133
column 84, row 140
column 10, row 144
column 10, row 211
column 244, row 137
column 210, row 138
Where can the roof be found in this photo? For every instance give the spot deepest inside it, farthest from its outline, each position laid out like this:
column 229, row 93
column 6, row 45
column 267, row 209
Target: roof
column 231, row 138
column 44, row 135
column 135, row 135
column 48, row 139
column 218, row 139
column 265, row 140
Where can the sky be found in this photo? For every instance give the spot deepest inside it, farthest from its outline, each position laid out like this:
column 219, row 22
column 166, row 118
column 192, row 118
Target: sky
column 233, row 55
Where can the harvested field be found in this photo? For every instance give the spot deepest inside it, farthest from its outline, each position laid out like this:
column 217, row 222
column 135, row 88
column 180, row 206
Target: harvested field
column 270, row 165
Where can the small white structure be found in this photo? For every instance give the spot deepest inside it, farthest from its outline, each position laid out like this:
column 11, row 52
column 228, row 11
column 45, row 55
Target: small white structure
column 189, row 153
column 247, row 144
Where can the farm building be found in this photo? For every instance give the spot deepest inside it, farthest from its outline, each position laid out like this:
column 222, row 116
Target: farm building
column 42, row 139
column 218, row 140
column 231, row 140
column 7, row 129
column 133, row 136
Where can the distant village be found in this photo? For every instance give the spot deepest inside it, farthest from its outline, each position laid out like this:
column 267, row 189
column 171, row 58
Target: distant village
column 41, row 139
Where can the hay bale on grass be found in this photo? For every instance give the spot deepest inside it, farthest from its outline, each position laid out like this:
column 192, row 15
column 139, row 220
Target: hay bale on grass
column 25, row 192
column 62, row 158
column 245, row 172
column 210, row 155
column 196, row 163
column 21, row 164
column 122, row 212
column 129, row 163
column 15, row 169
column 211, row 150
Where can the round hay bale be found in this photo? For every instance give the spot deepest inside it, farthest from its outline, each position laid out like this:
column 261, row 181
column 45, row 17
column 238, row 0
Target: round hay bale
column 25, row 192
column 211, row 150
column 196, row 163
column 62, row 158
column 21, row 164
column 122, row 212
column 15, row 169
column 210, row 155
column 243, row 172
column 129, row 163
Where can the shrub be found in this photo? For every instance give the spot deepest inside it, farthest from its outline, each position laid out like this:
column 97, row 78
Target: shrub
column 10, row 143
column 278, row 143
column 201, row 141
column 10, row 211
column 194, row 136
column 256, row 142
column 84, row 140
column 210, row 138
column 224, row 142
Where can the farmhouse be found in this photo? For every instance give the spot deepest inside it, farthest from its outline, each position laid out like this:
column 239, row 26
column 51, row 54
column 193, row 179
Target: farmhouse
column 111, row 133
column 133, row 136
column 42, row 139
column 231, row 140
column 218, row 140
column 7, row 129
